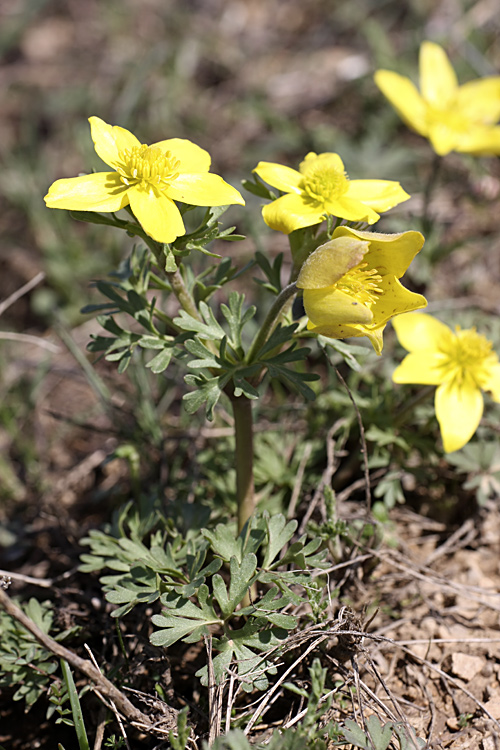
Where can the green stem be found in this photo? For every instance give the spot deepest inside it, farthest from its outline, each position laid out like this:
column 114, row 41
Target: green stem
column 420, row 398
column 271, row 320
column 179, row 289
column 243, row 432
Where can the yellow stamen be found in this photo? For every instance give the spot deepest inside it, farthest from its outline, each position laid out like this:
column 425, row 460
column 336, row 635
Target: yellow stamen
column 361, row 284
column 148, row 165
column 468, row 354
column 323, row 183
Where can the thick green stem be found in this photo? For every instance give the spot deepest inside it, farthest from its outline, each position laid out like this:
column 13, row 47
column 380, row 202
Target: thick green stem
column 243, row 432
column 271, row 320
column 179, row 289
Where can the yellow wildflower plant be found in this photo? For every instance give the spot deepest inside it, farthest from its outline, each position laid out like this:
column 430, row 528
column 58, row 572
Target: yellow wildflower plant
column 351, row 283
column 148, row 178
column 461, row 363
column 452, row 117
column 321, row 188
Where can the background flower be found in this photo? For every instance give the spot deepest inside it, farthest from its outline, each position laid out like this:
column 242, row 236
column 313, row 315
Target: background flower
column 461, row 363
column 321, row 188
column 149, row 178
column 351, row 284
column 452, row 117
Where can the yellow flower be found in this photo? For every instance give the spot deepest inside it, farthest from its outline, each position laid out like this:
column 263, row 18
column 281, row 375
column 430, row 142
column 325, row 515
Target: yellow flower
column 460, row 363
column 149, row 178
column 351, row 284
column 452, row 117
column 320, row 188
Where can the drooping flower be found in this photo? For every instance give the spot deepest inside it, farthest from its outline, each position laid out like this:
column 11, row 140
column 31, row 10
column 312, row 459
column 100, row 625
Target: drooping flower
column 461, row 363
column 453, row 118
column 149, row 178
column 321, row 188
column 351, row 283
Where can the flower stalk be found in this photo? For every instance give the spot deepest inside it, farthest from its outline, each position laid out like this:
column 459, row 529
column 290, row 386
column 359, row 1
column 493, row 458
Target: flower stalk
column 243, row 433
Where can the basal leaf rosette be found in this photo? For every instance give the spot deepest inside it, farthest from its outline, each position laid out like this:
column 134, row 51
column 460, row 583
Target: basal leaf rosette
column 461, row 363
column 148, row 178
column 453, row 118
column 351, row 283
column 321, row 188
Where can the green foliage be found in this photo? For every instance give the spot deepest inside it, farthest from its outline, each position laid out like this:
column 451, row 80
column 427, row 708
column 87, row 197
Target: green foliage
column 480, row 461
column 180, row 740
column 196, row 598
column 76, row 708
column 378, row 736
column 24, row 664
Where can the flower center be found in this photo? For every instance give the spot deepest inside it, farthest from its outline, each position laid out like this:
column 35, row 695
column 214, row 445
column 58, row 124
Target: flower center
column 449, row 117
column 468, row 354
column 148, row 165
column 323, row 182
column 361, row 284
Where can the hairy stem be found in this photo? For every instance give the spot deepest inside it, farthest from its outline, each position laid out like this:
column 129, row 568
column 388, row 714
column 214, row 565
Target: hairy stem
column 243, row 432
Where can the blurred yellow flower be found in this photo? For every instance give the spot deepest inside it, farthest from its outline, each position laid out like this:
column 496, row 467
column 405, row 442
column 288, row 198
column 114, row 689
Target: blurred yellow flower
column 351, row 283
column 452, row 117
column 460, row 363
column 149, row 178
column 320, row 188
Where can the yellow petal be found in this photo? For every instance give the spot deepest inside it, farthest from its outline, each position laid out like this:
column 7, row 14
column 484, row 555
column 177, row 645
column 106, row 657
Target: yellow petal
column 394, row 300
column 193, row 158
column 443, row 138
column 438, row 82
column 375, row 335
column 480, row 141
column 459, row 410
column 157, row 214
column 479, row 100
column 329, row 262
column 421, row 332
column 327, row 161
column 205, row 189
column 346, row 330
column 110, row 140
column 493, row 384
column 352, row 210
column 283, row 178
column 330, row 307
column 394, row 252
column 103, row 191
column 381, row 195
column 422, row 368
column 405, row 98
column 291, row 212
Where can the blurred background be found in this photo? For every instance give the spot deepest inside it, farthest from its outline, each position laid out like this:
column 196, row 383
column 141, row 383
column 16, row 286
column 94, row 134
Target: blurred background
column 248, row 80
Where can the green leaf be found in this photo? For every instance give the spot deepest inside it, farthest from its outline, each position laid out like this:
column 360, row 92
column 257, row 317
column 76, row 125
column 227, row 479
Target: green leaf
column 272, row 272
column 242, row 577
column 381, row 735
column 209, row 391
column 170, row 262
column 182, row 618
column 161, row 361
column 76, row 709
column 210, row 329
column 279, row 533
column 258, row 188
column 236, row 319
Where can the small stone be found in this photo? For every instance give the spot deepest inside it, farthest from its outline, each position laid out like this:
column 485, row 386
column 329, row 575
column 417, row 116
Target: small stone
column 466, row 666
column 493, row 707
